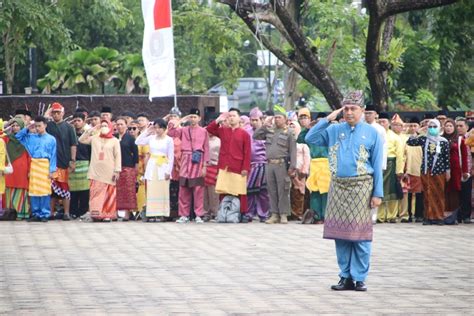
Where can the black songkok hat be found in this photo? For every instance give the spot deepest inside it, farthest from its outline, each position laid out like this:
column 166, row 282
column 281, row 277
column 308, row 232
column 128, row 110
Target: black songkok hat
column 384, row 115
column 106, row 109
column 195, row 111
column 415, row 119
column 369, row 107
column 321, row 115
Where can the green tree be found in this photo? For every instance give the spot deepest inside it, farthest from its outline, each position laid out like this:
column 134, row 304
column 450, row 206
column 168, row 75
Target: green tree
column 25, row 23
column 108, row 23
column 454, row 30
column 208, row 46
column 83, row 71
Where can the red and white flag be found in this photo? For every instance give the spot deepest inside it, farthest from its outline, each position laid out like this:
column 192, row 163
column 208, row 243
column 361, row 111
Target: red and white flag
column 158, row 48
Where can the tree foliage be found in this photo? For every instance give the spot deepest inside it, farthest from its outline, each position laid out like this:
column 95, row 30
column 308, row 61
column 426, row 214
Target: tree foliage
column 208, row 46
column 90, row 71
column 28, row 22
column 425, row 54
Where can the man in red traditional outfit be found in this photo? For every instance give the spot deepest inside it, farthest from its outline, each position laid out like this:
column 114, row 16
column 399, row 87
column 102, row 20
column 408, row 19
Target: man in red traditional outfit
column 234, row 156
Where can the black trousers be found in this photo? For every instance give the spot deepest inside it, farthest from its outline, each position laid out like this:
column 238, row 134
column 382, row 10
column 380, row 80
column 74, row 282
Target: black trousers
column 465, row 200
column 419, row 207
column 79, row 203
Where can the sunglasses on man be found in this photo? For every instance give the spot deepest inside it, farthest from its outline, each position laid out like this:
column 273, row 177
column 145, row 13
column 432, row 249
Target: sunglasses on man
column 132, row 128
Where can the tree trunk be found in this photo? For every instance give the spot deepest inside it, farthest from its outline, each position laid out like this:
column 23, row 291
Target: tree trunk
column 10, row 62
column 291, row 80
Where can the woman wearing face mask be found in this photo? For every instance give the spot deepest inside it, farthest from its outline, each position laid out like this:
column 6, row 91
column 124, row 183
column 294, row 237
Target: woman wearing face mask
column 458, row 165
column 104, row 170
column 435, row 171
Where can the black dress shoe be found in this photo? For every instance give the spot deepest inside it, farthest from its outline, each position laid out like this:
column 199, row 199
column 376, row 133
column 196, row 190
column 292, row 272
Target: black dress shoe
column 360, row 286
column 427, row 222
column 404, row 220
column 419, row 220
column 33, row 219
column 44, row 220
column 467, row 221
column 344, row 285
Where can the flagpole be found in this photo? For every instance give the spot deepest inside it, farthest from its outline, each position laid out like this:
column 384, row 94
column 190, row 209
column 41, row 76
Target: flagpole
column 174, row 55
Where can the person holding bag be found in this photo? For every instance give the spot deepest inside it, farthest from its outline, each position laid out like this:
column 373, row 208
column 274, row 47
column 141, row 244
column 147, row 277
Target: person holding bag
column 194, row 158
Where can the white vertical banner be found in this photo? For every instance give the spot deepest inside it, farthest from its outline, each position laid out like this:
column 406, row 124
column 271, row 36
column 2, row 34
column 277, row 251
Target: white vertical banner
column 158, row 48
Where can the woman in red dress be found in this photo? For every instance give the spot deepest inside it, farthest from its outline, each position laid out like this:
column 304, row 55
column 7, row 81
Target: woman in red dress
column 458, row 165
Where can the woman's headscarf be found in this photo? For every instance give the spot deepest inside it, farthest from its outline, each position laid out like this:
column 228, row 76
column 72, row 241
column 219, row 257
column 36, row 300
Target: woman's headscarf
column 110, row 134
column 454, row 135
column 245, row 121
column 14, row 148
column 435, row 138
column 296, row 128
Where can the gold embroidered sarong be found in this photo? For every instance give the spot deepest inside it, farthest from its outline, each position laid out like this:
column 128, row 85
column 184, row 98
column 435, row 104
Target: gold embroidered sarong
column 319, row 175
column 231, row 183
column 40, row 184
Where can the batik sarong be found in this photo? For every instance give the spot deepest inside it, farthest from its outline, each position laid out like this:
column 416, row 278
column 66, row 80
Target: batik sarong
column 17, row 199
column 102, row 200
column 348, row 213
column 78, row 179
column 433, row 196
column 60, row 184
column 126, row 189
column 40, row 184
column 415, row 185
column 390, row 181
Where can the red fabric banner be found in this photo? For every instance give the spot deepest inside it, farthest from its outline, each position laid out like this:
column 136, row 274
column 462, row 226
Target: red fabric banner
column 162, row 14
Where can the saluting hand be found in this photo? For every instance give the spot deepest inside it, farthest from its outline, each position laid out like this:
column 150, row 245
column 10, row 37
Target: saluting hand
column 268, row 121
column 331, row 117
column 222, row 117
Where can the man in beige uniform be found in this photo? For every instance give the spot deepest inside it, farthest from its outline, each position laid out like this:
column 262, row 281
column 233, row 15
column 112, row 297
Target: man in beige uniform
column 281, row 152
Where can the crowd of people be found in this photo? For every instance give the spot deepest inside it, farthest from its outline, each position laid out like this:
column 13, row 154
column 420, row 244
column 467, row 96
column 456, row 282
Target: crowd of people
column 100, row 166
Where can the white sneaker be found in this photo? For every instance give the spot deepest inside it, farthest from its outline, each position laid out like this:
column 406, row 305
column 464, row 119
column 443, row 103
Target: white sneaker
column 183, row 220
column 198, row 220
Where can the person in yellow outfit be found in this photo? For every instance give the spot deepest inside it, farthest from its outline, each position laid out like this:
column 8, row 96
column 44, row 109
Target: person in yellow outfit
column 397, row 126
column 388, row 210
column 143, row 151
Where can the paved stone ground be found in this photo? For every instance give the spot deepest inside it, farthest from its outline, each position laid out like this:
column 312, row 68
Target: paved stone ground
column 77, row 268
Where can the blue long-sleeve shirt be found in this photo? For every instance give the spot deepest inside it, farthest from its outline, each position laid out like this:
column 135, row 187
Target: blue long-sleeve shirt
column 39, row 146
column 353, row 151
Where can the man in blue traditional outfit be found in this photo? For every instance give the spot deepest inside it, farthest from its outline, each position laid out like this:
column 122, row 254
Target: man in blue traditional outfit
column 42, row 149
column 355, row 162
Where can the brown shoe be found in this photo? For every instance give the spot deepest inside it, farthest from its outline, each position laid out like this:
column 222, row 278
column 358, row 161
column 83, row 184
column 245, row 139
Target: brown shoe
column 274, row 219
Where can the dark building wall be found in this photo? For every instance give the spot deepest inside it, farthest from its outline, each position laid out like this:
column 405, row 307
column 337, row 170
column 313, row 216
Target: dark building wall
column 159, row 107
